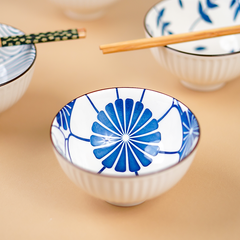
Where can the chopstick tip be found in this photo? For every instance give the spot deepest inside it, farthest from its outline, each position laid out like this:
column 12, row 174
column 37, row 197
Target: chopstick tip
column 82, row 32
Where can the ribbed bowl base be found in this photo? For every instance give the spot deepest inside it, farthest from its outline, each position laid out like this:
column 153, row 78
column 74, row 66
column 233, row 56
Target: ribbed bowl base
column 125, row 204
column 84, row 17
column 202, row 87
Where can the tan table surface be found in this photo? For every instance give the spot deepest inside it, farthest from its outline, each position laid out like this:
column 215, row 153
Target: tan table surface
column 38, row 201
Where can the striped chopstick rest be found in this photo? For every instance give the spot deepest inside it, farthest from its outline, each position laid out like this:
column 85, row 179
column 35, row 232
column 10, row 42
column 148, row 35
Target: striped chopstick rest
column 42, row 37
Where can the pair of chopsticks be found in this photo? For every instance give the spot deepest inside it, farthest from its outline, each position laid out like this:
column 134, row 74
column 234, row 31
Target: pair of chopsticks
column 43, row 37
column 166, row 40
column 120, row 46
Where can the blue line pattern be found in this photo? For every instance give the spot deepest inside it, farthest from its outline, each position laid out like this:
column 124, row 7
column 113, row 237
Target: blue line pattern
column 14, row 60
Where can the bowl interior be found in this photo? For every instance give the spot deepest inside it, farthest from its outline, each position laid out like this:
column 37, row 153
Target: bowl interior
column 180, row 16
column 124, row 131
column 14, row 60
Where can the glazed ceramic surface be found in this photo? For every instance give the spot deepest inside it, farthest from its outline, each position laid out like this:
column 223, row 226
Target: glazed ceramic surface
column 123, row 132
column 15, row 60
column 16, row 68
column 84, row 9
column 211, row 62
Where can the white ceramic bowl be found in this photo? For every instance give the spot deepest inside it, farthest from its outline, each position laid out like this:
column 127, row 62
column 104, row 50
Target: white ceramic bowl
column 16, row 68
column 84, row 9
column 201, row 65
column 125, row 145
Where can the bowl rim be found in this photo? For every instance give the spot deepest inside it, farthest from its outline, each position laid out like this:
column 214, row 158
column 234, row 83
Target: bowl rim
column 31, row 65
column 119, row 176
column 176, row 50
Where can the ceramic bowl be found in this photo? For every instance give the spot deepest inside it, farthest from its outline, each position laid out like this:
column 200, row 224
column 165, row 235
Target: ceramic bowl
column 204, row 64
column 16, row 68
column 84, row 9
column 125, row 145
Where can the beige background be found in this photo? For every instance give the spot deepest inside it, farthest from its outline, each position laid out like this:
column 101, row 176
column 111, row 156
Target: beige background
column 38, row 201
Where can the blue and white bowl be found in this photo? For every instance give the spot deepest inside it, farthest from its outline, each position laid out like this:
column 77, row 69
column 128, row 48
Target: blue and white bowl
column 16, row 68
column 125, row 145
column 204, row 64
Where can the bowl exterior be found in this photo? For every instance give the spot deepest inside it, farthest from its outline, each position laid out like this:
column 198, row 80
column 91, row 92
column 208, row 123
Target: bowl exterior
column 84, row 9
column 126, row 191
column 199, row 72
column 11, row 92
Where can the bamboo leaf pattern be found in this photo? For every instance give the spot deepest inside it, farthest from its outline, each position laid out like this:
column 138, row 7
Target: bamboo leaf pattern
column 232, row 3
column 164, row 27
column 203, row 15
column 211, row 4
column 236, row 12
column 160, row 14
column 180, row 3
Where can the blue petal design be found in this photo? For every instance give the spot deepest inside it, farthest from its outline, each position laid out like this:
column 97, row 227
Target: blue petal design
column 137, row 111
column 143, row 158
column 64, row 115
column 119, row 107
column 97, row 128
column 211, row 4
column 101, row 152
column 121, row 165
column 151, row 126
column 127, row 133
column 133, row 165
column 147, row 114
column 152, row 138
column 232, row 3
column 160, row 14
column 129, row 107
column 105, row 120
column 203, row 15
column 110, row 160
column 150, row 149
column 112, row 114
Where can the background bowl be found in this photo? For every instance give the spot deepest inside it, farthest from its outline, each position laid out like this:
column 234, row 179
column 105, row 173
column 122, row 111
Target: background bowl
column 16, row 68
column 200, row 65
column 84, row 9
column 125, row 145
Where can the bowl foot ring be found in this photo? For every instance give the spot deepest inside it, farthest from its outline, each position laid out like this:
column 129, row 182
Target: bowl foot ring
column 125, row 204
column 84, row 17
column 202, row 87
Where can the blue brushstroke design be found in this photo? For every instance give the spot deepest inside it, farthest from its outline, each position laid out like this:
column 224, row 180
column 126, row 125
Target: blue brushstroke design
column 160, row 14
column 180, row 3
column 211, row 4
column 203, row 15
column 200, row 48
column 164, row 27
column 236, row 12
column 232, row 3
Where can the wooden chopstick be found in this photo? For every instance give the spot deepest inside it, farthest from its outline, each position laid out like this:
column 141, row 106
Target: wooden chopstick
column 43, row 37
column 166, row 40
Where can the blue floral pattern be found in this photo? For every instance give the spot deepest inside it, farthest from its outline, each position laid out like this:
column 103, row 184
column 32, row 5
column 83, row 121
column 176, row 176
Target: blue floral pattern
column 190, row 133
column 125, row 136
column 126, row 133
